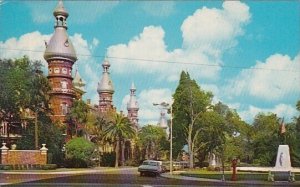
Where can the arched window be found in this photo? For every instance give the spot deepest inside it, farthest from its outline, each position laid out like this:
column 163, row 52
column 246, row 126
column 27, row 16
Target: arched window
column 64, row 108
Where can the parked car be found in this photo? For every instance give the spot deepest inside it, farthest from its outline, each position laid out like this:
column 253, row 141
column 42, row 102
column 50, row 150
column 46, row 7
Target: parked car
column 177, row 166
column 151, row 167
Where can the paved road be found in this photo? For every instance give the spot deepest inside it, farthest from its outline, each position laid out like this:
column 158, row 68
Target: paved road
column 124, row 177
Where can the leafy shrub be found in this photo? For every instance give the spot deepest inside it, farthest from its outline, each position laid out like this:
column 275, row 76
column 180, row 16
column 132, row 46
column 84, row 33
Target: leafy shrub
column 210, row 168
column 27, row 166
column 5, row 167
column 202, row 164
column 48, row 166
column 79, row 152
column 108, row 159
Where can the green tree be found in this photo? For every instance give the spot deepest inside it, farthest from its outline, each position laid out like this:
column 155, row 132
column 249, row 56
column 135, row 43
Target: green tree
column 153, row 140
column 293, row 138
column 118, row 130
column 265, row 139
column 14, row 84
column 189, row 103
column 239, row 134
column 79, row 152
column 212, row 133
column 49, row 134
column 78, row 117
column 96, row 125
column 39, row 95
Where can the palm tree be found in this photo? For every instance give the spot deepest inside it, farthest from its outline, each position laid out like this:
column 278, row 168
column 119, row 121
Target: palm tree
column 119, row 129
column 96, row 124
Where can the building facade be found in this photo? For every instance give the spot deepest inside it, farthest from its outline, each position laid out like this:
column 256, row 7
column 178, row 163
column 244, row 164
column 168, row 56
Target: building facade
column 60, row 56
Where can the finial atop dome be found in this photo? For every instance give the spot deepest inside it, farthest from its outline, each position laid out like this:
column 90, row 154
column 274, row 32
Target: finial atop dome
column 60, row 10
column 105, row 64
column 105, row 85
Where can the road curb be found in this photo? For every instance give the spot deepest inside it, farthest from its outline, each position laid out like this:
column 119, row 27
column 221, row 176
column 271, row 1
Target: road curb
column 260, row 183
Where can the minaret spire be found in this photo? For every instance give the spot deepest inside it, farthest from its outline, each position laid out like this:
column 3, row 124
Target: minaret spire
column 132, row 107
column 105, row 89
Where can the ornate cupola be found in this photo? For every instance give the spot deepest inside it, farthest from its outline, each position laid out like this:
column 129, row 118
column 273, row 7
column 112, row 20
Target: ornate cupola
column 60, row 46
column 133, row 107
column 60, row 56
column 105, row 89
column 78, row 85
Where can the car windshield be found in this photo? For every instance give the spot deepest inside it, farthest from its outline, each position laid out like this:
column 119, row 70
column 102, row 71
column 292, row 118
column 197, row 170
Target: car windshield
column 150, row 163
column 153, row 163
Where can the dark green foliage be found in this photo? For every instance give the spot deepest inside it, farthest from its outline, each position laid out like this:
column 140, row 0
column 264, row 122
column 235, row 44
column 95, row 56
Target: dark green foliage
column 117, row 130
column 49, row 133
column 79, row 152
column 108, row 159
column 77, row 118
column 28, row 167
column 153, row 140
column 266, row 139
column 189, row 101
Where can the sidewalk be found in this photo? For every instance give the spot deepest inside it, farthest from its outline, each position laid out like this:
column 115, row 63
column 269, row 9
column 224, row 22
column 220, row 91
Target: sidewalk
column 176, row 175
column 67, row 170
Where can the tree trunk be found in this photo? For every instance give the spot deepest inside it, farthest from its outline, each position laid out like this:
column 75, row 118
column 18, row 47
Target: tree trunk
column 191, row 155
column 122, row 153
column 117, row 153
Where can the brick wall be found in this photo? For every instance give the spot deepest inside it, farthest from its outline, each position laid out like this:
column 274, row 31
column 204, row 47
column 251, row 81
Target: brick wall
column 13, row 157
column 26, row 157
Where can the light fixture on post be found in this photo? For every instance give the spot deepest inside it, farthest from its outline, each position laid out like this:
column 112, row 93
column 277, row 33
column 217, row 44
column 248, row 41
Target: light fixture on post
column 165, row 105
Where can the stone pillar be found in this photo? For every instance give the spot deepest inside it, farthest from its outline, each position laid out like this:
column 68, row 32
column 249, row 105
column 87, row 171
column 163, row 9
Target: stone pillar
column 4, row 154
column 43, row 152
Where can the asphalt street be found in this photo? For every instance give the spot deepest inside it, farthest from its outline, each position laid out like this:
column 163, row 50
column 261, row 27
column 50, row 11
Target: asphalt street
column 124, row 177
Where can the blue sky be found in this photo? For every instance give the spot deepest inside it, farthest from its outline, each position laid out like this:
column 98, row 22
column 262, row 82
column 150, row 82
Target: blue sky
column 247, row 53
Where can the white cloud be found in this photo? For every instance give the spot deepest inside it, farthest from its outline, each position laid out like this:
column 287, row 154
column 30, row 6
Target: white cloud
column 159, row 9
column 149, row 114
column 205, row 51
column 273, row 79
column 215, row 29
column 32, row 44
column 282, row 110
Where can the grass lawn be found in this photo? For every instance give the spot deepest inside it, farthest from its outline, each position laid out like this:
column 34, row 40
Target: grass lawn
column 241, row 176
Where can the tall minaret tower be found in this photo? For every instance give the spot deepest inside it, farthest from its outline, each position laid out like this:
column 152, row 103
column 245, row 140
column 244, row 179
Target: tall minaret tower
column 105, row 89
column 132, row 107
column 60, row 55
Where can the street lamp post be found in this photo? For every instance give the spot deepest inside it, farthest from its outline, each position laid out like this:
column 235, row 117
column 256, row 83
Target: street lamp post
column 166, row 106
